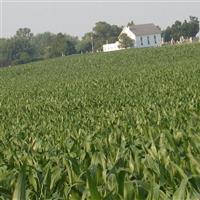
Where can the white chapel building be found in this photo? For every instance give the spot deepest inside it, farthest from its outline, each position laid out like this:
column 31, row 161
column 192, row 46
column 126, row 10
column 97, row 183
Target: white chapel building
column 143, row 35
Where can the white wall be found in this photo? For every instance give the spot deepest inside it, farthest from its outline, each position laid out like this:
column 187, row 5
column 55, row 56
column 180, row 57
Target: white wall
column 151, row 41
column 137, row 44
column 129, row 33
column 137, row 41
column 111, row 47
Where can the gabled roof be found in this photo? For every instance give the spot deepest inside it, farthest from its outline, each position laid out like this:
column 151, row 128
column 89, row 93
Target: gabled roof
column 145, row 29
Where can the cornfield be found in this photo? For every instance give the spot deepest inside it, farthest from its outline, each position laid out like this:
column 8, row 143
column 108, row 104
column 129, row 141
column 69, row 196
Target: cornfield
column 115, row 126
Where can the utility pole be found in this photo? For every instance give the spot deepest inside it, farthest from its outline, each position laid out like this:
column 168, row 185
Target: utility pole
column 92, row 42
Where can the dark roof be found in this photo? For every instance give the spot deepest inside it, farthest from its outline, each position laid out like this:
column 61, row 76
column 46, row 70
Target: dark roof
column 145, row 29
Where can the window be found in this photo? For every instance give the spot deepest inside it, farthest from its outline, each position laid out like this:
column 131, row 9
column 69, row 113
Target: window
column 148, row 40
column 155, row 39
column 141, row 40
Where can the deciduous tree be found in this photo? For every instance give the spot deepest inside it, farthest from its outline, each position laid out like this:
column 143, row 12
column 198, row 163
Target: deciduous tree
column 125, row 41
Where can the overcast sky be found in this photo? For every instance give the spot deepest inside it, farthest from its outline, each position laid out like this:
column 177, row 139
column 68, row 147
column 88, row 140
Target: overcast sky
column 77, row 18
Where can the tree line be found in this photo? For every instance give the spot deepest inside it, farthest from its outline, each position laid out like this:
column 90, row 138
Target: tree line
column 25, row 47
column 186, row 29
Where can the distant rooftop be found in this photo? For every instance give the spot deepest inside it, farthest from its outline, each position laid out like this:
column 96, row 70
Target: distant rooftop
column 145, row 29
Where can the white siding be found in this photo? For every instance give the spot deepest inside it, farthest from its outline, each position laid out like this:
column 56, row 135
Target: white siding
column 151, row 43
column 144, row 38
column 129, row 33
column 111, row 47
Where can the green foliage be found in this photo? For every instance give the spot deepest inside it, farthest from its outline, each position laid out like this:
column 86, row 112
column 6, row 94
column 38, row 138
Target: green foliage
column 24, row 33
column 19, row 49
column 104, row 32
column 85, row 44
column 121, row 125
column 125, row 41
column 185, row 29
column 43, row 43
column 4, row 53
column 25, row 47
column 131, row 23
column 20, row 187
column 62, row 46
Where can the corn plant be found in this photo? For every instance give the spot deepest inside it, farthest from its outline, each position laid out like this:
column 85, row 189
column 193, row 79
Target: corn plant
column 115, row 126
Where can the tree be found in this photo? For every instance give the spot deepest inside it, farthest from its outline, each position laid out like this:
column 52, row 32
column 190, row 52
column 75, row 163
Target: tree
column 125, row 41
column 24, row 33
column 58, row 46
column 25, row 47
column 131, row 23
column 21, row 51
column 43, row 43
column 24, row 57
column 103, row 33
column 176, row 30
column 4, row 53
column 185, row 29
column 69, row 48
column 18, row 49
column 114, row 34
column 62, row 45
column 193, row 26
column 167, row 34
column 85, row 44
